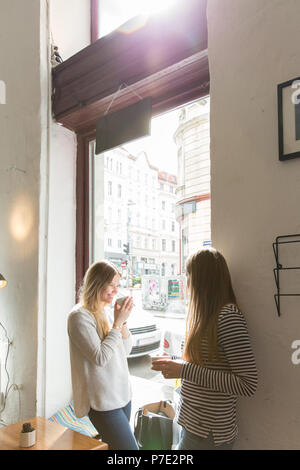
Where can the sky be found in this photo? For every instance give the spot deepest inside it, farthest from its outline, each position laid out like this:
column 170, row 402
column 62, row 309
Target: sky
column 160, row 146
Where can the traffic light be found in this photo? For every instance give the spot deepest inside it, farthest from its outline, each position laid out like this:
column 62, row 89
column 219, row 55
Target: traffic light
column 126, row 248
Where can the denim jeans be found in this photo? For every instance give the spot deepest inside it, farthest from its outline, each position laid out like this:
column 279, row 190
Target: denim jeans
column 189, row 441
column 114, row 428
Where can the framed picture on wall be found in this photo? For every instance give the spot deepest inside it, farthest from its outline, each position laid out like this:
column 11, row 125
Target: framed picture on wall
column 288, row 94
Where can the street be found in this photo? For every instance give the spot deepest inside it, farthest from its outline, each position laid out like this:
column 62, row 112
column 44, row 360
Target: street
column 172, row 327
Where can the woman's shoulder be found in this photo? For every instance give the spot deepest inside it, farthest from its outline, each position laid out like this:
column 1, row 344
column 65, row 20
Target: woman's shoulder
column 230, row 312
column 80, row 314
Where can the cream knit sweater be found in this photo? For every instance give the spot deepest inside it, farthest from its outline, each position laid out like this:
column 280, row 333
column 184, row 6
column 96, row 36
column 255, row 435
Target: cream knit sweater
column 100, row 376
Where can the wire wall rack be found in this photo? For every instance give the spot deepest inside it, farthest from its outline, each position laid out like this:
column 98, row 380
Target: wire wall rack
column 283, row 240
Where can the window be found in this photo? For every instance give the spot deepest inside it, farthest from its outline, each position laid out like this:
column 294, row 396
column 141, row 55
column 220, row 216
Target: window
column 164, row 244
column 173, row 226
column 82, row 240
column 109, row 242
column 119, row 190
column 163, row 224
column 171, row 189
column 110, row 188
column 173, row 246
column 114, row 13
column 119, row 243
column 153, row 244
column 173, row 269
column 163, row 269
column 161, row 186
column 163, row 205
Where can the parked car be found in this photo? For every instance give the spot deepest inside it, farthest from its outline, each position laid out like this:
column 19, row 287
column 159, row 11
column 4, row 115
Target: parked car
column 146, row 333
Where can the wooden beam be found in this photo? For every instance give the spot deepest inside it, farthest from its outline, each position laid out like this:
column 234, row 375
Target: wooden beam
column 166, row 58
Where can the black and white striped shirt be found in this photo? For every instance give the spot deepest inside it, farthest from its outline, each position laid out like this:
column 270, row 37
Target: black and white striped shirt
column 209, row 393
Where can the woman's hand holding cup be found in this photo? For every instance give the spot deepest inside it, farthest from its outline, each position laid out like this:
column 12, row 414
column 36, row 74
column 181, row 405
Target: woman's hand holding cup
column 122, row 311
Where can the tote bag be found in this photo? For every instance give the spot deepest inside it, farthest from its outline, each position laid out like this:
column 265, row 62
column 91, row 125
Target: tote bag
column 153, row 428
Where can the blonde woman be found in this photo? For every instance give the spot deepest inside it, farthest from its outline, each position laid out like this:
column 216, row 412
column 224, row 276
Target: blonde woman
column 99, row 347
column 217, row 364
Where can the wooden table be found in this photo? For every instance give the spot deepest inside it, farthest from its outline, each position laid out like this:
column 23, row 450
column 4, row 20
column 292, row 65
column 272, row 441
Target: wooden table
column 49, row 436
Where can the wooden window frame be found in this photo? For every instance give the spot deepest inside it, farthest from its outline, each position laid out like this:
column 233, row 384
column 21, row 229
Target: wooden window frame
column 84, row 87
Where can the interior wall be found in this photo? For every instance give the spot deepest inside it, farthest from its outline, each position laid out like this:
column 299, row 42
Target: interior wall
column 253, row 46
column 20, row 150
column 37, row 205
column 70, row 25
column 70, row 28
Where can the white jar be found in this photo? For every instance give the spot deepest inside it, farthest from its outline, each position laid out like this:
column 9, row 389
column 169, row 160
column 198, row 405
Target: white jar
column 27, row 439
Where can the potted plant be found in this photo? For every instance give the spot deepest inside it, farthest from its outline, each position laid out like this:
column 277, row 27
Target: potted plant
column 27, row 435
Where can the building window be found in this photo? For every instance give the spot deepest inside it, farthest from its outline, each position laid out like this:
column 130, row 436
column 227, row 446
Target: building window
column 153, row 244
column 161, row 186
column 171, row 189
column 119, row 243
column 173, row 268
column 110, row 188
column 163, row 224
column 173, row 245
column 163, row 269
column 163, row 244
column 173, row 226
column 119, row 190
column 163, row 205
column 109, row 242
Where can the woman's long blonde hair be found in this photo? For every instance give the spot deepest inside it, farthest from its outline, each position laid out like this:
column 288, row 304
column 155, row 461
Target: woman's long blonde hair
column 96, row 279
column 210, row 289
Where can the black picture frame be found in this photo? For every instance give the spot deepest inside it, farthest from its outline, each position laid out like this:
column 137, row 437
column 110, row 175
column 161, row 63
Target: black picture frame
column 288, row 95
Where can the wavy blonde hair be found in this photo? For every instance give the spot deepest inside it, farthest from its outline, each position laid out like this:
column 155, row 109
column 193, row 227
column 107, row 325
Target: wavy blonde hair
column 96, row 279
column 211, row 289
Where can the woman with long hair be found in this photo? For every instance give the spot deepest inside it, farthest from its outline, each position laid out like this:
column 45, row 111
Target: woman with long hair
column 99, row 346
column 217, row 363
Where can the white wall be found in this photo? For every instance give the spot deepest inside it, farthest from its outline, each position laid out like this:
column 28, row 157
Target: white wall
column 20, row 147
column 37, row 205
column 70, row 27
column 253, row 45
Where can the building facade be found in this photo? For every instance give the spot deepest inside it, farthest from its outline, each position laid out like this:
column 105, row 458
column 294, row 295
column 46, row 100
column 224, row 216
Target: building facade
column 193, row 190
column 135, row 208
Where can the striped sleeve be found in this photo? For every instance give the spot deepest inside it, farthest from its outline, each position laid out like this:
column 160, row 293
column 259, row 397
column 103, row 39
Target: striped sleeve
column 241, row 379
